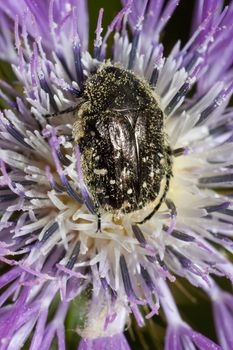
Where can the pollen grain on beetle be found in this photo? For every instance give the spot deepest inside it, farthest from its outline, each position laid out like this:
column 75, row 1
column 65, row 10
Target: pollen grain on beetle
column 121, row 138
column 116, row 173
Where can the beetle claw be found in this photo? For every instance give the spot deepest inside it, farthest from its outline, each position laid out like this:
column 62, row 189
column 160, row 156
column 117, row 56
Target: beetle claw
column 99, row 225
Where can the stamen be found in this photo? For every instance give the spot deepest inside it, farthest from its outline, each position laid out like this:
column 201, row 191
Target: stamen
column 74, row 256
column 225, row 179
column 218, row 207
column 215, row 104
column 63, row 158
column 141, row 239
column 139, row 235
column 78, row 64
column 171, row 206
column 115, row 24
column 64, row 64
column 187, row 263
column 180, row 151
column 193, row 61
column 165, row 16
column 182, row 236
column 150, row 258
column 136, row 36
column 227, row 212
column 17, row 135
column 14, row 187
column 177, row 98
column 224, row 239
column 147, row 278
column 104, row 283
column 205, row 114
column 46, row 88
column 161, row 263
column 220, row 129
column 53, row 183
column 73, row 194
column 108, row 288
column 165, row 271
column 13, row 131
column 125, row 277
column 129, row 291
column 149, row 298
column 77, row 49
column 48, row 233
column 98, row 40
column 154, row 77
column 83, row 188
column 7, row 197
column 54, row 144
column 134, row 48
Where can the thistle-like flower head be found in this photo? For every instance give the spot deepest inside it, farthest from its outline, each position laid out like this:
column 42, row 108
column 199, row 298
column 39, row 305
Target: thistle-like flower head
column 116, row 171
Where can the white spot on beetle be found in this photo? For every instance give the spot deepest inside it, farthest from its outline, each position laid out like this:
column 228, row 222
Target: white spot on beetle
column 100, row 171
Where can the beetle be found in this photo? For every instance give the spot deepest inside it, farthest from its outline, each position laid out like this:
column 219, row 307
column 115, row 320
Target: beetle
column 124, row 154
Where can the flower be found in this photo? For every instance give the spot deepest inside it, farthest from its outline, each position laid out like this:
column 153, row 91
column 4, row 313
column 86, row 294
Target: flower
column 53, row 250
column 179, row 334
column 222, row 309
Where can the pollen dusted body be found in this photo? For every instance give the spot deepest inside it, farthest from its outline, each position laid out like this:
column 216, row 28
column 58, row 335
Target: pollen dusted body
column 120, row 132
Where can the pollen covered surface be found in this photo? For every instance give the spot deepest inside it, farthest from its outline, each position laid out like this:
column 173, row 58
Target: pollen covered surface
column 124, row 154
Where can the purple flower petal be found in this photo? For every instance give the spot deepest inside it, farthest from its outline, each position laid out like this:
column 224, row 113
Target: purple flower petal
column 116, row 342
column 223, row 317
column 178, row 336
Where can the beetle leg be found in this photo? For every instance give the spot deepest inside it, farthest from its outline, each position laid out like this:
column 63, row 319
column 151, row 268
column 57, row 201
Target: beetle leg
column 56, row 114
column 98, row 224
